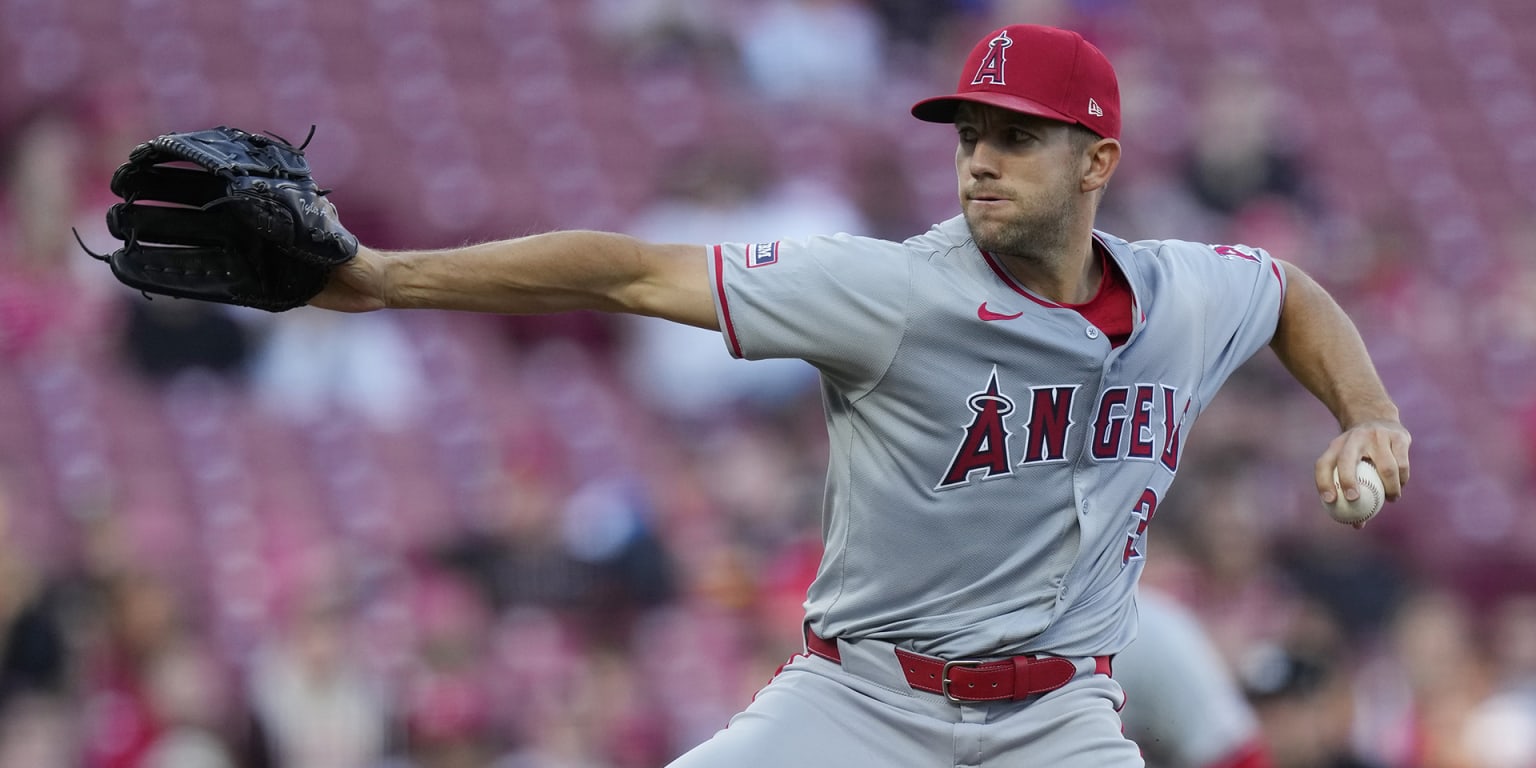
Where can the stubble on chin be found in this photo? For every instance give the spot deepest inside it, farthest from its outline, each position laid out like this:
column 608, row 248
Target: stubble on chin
column 1018, row 236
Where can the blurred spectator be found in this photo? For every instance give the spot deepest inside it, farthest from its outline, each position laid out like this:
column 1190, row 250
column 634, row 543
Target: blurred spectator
column 143, row 621
column 47, row 298
column 445, row 703
column 187, row 695
column 1350, row 576
column 1304, row 704
column 724, row 192
column 592, row 557
column 38, row 731
column 1501, row 732
column 1242, row 150
column 313, row 364
column 165, row 337
column 911, row 25
column 665, row 33
column 882, row 193
column 1436, row 667
column 314, row 705
column 34, row 659
column 826, row 52
column 609, row 523
column 515, row 556
column 599, row 719
column 704, row 646
column 1240, row 593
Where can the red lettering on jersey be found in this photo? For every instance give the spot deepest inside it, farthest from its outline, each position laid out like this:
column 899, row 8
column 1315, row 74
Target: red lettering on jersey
column 1050, row 418
column 1108, row 426
column 1171, row 430
column 985, row 447
column 992, row 65
column 1142, row 513
column 1236, row 252
column 1141, row 424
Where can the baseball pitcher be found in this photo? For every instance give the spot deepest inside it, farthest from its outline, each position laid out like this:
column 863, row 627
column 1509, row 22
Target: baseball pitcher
column 1007, row 397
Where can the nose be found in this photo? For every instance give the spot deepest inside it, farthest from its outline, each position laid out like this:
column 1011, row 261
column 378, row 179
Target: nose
column 980, row 159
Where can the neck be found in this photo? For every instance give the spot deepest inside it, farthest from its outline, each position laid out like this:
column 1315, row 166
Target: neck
column 1067, row 275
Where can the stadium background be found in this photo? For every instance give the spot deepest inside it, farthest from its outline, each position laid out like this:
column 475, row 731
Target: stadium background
column 433, row 540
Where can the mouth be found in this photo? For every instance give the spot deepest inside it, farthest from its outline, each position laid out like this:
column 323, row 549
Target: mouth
column 985, row 197
column 985, row 203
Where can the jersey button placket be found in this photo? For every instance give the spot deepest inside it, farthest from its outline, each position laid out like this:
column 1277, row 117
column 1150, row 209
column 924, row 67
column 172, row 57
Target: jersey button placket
column 1093, row 333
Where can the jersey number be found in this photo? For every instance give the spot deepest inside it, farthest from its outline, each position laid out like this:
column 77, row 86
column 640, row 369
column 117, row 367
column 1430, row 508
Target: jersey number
column 1141, row 515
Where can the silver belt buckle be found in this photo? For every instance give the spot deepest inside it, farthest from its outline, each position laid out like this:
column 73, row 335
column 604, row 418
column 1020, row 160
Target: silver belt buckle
column 944, row 680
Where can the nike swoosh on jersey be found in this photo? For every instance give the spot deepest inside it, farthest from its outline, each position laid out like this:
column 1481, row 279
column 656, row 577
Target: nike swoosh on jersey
column 987, row 314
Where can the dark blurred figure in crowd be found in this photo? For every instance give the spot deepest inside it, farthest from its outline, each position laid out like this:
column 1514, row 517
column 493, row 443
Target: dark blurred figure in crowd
column 1241, row 153
column 593, row 558
column 165, row 337
column 1304, row 704
column 34, row 659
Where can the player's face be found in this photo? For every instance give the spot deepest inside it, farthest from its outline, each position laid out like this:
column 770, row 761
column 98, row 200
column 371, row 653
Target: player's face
column 1020, row 179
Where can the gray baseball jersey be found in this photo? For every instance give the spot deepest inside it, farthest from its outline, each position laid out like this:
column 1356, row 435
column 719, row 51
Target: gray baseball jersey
column 995, row 460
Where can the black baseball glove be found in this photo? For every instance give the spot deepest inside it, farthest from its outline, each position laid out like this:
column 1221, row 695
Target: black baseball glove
column 227, row 216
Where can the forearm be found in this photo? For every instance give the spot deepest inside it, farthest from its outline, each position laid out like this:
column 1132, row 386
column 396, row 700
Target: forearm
column 553, row 272
column 1321, row 347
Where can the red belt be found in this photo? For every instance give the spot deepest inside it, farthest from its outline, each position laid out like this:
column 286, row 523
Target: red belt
column 1009, row 679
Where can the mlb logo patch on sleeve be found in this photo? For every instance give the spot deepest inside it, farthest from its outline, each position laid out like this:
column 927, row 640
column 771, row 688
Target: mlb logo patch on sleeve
column 762, row 254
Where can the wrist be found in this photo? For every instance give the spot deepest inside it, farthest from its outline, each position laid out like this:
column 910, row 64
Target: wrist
column 1366, row 413
column 382, row 277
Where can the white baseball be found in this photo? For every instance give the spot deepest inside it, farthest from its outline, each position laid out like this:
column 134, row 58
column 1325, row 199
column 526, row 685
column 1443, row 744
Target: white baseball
column 1372, row 496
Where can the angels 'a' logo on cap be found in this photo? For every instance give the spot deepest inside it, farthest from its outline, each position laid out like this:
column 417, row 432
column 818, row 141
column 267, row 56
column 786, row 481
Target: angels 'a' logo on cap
column 991, row 69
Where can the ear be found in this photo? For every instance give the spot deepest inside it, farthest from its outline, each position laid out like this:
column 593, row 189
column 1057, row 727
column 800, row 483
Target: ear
column 1103, row 157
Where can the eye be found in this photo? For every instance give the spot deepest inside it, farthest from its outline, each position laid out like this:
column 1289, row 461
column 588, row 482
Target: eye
column 1020, row 136
column 967, row 134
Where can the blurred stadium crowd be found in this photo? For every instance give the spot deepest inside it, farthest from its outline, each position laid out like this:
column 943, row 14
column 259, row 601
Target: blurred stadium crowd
column 431, row 541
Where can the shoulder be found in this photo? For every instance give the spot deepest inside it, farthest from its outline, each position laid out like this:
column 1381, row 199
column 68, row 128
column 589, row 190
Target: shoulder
column 941, row 239
column 944, row 238
column 1175, row 256
column 1174, row 249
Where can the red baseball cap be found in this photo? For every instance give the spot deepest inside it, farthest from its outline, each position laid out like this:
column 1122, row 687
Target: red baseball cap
column 1042, row 71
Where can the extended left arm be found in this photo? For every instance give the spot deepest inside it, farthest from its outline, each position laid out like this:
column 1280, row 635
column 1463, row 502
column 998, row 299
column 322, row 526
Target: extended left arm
column 1321, row 347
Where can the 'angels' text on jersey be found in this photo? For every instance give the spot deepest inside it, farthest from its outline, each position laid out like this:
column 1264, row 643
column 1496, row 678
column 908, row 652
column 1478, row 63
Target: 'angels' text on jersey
column 1136, row 423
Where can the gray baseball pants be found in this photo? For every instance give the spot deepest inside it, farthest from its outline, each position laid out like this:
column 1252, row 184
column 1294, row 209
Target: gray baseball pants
column 862, row 713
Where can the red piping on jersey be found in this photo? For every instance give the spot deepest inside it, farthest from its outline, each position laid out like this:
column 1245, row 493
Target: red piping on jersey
column 725, row 308
column 1113, row 308
column 1104, row 258
column 1274, row 264
column 1007, row 279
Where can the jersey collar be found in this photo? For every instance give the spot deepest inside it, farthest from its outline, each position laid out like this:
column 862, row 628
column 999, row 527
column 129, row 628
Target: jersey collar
column 1105, row 244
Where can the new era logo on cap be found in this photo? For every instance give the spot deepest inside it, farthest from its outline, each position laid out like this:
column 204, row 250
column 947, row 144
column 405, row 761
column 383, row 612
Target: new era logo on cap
column 1043, row 71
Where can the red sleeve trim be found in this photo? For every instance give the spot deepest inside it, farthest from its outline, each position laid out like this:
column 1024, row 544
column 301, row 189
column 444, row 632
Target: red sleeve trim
column 1279, row 275
column 725, row 307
